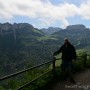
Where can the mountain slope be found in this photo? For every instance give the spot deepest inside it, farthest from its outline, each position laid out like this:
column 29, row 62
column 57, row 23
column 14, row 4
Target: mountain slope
column 77, row 34
column 50, row 30
column 18, row 46
column 22, row 44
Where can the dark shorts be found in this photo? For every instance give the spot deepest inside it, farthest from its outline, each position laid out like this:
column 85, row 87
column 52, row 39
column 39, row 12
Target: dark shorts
column 66, row 65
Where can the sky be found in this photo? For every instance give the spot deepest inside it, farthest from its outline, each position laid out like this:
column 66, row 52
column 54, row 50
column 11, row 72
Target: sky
column 46, row 13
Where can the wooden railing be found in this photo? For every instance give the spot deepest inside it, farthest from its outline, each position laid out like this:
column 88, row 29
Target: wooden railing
column 22, row 71
column 53, row 69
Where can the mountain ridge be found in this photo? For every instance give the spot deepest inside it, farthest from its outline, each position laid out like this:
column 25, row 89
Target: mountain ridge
column 21, row 42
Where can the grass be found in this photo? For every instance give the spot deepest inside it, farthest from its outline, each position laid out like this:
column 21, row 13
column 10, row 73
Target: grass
column 37, row 31
column 46, row 38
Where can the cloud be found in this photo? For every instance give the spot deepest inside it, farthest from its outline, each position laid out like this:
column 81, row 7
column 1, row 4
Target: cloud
column 84, row 10
column 43, row 10
column 64, row 23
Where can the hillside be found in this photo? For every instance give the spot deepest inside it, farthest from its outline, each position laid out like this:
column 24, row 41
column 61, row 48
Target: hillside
column 77, row 34
column 21, row 44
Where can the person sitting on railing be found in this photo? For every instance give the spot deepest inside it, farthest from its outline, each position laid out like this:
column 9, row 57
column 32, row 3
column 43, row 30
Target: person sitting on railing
column 68, row 55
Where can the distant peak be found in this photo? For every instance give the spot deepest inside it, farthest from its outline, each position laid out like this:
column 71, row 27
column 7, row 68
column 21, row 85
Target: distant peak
column 78, row 26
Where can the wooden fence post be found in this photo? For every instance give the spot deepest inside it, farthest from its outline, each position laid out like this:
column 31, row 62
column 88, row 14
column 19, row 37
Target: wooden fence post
column 53, row 65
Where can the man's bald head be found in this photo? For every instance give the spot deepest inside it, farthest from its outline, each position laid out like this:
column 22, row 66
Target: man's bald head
column 66, row 41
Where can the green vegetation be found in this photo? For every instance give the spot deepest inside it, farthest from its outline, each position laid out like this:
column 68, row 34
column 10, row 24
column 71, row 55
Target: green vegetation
column 46, row 38
column 23, row 46
column 17, row 81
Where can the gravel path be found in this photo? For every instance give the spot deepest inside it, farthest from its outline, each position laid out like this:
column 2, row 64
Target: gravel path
column 82, row 79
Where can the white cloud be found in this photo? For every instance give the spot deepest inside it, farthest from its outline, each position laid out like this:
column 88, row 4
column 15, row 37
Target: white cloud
column 64, row 23
column 43, row 10
column 84, row 10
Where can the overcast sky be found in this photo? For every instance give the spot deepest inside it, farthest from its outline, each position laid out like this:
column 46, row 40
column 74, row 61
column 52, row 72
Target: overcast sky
column 46, row 13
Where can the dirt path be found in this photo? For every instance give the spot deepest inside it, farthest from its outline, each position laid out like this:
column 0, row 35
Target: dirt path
column 82, row 79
